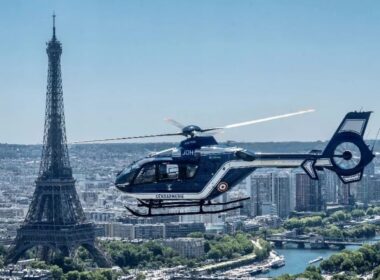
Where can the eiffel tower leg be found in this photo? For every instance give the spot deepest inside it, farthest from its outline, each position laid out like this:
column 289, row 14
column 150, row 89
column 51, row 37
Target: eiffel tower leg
column 15, row 252
column 44, row 254
column 97, row 255
column 65, row 251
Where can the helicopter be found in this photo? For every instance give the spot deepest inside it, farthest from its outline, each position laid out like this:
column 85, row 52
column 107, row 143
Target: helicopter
column 200, row 169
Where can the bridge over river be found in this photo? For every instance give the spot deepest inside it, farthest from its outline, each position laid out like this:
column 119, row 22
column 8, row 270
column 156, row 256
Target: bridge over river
column 315, row 242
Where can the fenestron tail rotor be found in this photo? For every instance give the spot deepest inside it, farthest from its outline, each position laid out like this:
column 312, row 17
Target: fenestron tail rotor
column 347, row 155
column 194, row 130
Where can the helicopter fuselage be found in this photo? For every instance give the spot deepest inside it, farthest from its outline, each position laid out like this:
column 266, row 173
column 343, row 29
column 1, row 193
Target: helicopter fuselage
column 202, row 174
column 176, row 174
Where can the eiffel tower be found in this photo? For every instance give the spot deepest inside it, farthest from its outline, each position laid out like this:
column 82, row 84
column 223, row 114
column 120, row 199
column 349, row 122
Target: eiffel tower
column 55, row 222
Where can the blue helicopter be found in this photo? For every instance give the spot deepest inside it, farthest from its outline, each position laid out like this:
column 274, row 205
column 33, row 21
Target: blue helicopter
column 199, row 169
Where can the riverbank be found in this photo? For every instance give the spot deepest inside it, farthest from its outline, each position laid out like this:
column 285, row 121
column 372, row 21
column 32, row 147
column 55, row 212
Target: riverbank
column 227, row 264
column 231, row 264
column 297, row 259
column 273, row 261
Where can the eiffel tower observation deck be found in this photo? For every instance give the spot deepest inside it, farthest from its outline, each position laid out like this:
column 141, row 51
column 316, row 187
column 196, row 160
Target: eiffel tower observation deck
column 55, row 222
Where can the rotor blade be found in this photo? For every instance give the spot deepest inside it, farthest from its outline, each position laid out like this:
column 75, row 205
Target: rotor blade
column 128, row 138
column 261, row 120
column 212, row 132
column 175, row 123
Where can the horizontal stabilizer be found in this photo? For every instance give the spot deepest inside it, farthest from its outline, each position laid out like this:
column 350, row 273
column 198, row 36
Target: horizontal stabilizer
column 308, row 167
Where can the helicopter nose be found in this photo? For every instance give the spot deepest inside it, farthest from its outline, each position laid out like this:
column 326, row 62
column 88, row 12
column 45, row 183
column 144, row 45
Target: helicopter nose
column 121, row 186
column 122, row 182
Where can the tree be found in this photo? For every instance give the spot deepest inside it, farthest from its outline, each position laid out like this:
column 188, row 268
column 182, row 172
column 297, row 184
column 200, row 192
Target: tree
column 339, row 216
column 140, row 276
column 370, row 212
column 207, row 246
column 347, row 265
column 85, row 275
column 357, row 213
column 285, row 277
column 311, row 275
column 196, row 234
column 214, row 254
column 376, row 273
column 72, row 275
column 332, row 231
column 70, row 265
column 57, row 272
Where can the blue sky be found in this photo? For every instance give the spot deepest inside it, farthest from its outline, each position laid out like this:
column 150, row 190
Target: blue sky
column 127, row 65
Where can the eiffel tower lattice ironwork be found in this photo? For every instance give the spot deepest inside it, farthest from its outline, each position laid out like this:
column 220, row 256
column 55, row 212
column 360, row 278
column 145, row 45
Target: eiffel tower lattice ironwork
column 55, row 222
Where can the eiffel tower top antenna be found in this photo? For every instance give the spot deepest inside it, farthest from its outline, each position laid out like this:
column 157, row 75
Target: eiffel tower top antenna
column 54, row 25
column 55, row 162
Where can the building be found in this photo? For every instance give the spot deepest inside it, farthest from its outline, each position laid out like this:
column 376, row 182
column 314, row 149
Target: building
column 174, row 230
column 331, row 187
column 25, row 274
column 100, row 215
column 268, row 208
column 308, row 193
column 281, row 194
column 344, row 194
column 187, row 247
column 149, row 231
column 375, row 188
column 120, row 230
column 261, row 193
column 90, row 197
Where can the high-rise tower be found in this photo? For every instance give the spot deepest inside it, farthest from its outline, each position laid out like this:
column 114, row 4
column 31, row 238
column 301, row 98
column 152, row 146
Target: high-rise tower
column 55, row 221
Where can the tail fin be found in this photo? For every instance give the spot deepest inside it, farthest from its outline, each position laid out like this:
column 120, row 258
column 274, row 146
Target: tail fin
column 347, row 151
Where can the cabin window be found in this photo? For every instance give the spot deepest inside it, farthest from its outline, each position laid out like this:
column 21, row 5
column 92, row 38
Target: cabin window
column 191, row 169
column 146, row 175
column 168, row 171
column 187, row 170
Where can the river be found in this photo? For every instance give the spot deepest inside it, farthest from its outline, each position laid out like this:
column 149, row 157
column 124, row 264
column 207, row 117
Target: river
column 296, row 260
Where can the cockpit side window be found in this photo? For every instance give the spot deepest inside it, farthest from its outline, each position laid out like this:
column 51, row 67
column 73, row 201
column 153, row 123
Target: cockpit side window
column 168, row 171
column 146, row 175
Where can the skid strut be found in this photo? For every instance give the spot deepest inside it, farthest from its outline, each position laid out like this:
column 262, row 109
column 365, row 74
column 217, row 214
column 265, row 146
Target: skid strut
column 202, row 204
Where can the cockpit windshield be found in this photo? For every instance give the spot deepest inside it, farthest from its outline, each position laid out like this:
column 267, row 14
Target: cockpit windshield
column 128, row 169
column 125, row 177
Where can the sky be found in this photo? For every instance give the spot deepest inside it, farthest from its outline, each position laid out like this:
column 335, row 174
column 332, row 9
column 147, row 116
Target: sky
column 127, row 65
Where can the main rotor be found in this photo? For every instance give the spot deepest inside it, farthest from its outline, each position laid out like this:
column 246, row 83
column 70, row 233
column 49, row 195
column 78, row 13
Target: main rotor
column 191, row 131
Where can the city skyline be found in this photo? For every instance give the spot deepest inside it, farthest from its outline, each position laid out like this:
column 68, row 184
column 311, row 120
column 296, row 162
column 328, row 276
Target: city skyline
column 207, row 210
column 206, row 63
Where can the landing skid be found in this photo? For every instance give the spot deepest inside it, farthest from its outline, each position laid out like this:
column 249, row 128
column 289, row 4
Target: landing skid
column 158, row 204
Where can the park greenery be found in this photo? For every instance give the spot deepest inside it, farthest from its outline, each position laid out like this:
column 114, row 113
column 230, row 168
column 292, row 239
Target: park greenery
column 334, row 226
column 358, row 231
column 153, row 254
column 300, row 223
column 150, row 255
column 147, row 255
column 69, row 270
column 360, row 261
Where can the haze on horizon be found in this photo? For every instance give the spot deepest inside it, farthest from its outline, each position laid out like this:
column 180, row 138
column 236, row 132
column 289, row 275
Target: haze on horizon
column 127, row 65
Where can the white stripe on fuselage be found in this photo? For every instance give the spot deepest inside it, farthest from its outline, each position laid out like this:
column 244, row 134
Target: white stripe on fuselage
column 223, row 170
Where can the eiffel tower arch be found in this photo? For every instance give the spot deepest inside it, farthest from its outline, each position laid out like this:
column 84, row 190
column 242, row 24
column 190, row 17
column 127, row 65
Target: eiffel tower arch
column 55, row 221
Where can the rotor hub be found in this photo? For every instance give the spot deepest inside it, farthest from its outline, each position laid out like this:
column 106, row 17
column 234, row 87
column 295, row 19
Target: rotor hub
column 191, row 130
